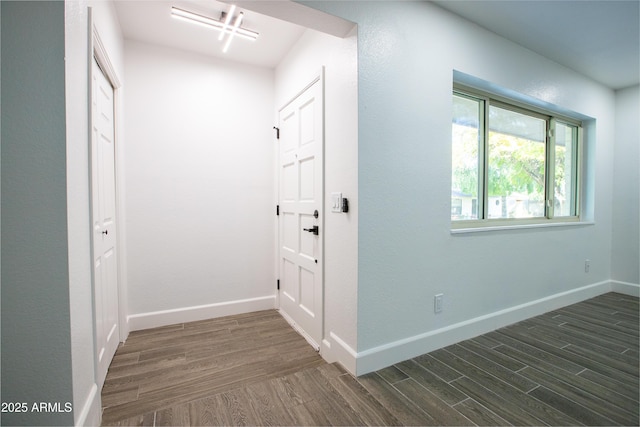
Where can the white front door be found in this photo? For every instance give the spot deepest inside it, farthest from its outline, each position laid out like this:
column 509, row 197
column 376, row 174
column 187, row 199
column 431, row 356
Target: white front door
column 103, row 211
column 301, row 175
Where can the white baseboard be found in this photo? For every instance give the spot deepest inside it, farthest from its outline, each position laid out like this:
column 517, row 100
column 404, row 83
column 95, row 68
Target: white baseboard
column 124, row 328
column 388, row 354
column 91, row 412
column 632, row 289
column 334, row 349
column 200, row 312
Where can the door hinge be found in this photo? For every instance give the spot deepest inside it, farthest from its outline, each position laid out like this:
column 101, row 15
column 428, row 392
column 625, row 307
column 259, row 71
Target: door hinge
column 277, row 210
column 277, row 132
column 278, row 284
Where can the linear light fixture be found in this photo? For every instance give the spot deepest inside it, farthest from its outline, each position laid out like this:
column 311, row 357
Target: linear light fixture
column 234, row 31
column 214, row 23
column 227, row 21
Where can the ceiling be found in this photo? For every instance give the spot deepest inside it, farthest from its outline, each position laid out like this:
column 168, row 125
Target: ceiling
column 597, row 38
column 150, row 21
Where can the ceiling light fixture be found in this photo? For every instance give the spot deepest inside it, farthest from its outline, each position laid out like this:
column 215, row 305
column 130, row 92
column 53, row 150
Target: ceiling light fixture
column 227, row 21
column 234, row 31
column 216, row 24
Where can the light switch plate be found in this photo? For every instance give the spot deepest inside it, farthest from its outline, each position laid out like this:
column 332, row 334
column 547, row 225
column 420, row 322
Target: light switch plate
column 336, row 202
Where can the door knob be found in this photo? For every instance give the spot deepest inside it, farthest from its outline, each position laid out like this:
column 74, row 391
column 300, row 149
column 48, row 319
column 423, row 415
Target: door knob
column 315, row 230
column 105, row 232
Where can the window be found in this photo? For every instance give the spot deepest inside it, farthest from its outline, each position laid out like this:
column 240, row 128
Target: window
column 511, row 164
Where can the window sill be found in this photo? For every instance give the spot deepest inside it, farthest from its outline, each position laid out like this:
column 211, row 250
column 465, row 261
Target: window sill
column 502, row 227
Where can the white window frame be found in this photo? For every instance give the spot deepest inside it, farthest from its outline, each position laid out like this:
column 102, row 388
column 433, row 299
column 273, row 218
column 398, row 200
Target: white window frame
column 552, row 119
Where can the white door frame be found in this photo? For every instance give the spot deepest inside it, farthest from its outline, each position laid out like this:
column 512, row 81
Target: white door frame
column 319, row 76
column 98, row 51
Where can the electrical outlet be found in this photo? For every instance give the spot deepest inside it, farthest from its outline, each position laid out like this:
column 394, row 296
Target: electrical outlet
column 587, row 265
column 437, row 303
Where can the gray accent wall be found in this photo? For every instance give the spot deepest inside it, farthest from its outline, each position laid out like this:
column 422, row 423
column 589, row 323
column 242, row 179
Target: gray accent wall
column 36, row 342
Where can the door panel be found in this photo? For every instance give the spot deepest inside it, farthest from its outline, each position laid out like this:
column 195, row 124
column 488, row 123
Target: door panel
column 103, row 208
column 307, row 180
column 289, row 288
column 307, row 122
column 301, row 194
column 289, row 186
column 289, row 232
column 307, row 297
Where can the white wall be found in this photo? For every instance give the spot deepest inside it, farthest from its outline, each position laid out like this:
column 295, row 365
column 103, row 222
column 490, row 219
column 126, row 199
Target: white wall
column 625, row 254
column 86, row 396
column 199, row 186
column 407, row 52
column 338, row 56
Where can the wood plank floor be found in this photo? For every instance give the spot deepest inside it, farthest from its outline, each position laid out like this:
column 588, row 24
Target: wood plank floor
column 164, row 367
column 574, row 366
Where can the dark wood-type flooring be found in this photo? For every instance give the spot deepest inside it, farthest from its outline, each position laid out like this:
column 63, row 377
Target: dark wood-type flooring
column 574, row 366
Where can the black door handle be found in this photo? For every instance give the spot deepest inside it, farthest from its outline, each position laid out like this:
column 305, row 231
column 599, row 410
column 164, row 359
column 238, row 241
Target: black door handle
column 315, row 230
